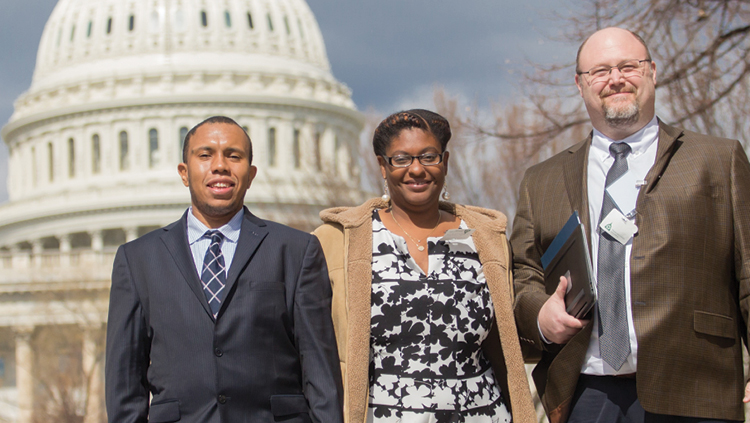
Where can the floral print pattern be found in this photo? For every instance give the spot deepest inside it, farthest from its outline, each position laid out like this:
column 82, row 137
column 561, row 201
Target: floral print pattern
column 426, row 362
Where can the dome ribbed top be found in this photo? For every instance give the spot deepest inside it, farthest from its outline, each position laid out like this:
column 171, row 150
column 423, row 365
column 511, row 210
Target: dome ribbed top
column 95, row 51
column 82, row 34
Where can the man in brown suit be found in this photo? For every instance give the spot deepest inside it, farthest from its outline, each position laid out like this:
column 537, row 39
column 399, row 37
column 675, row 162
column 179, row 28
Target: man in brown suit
column 665, row 340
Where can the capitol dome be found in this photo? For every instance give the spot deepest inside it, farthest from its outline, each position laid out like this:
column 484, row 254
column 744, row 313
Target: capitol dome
column 95, row 141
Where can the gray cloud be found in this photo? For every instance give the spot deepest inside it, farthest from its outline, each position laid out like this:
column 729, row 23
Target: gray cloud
column 387, row 49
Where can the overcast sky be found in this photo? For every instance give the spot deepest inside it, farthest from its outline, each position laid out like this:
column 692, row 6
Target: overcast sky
column 391, row 53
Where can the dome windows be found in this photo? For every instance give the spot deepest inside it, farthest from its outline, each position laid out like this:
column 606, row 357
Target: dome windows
column 96, row 154
column 250, row 20
column 286, row 25
column 272, row 147
column 72, row 33
column 296, row 153
column 227, row 19
column 153, row 147
column 270, row 22
column 204, row 18
column 131, row 23
column 183, row 134
column 109, row 25
column 71, row 158
column 318, row 158
column 124, row 158
column 88, row 30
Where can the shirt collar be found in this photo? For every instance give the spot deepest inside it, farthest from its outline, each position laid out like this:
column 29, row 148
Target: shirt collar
column 231, row 230
column 639, row 142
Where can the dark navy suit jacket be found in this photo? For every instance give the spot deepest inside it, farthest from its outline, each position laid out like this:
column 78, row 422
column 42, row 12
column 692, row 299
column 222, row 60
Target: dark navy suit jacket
column 270, row 355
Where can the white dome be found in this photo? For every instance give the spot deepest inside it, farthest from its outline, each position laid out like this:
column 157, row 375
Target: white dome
column 97, row 136
column 96, row 51
column 95, row 142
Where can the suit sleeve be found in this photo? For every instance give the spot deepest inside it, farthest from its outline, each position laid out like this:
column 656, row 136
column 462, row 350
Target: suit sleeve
column 315, row 338
column 528, row 275
column 740, row 185
column 127, row 352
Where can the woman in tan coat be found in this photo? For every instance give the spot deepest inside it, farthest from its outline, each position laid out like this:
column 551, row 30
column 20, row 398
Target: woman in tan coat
column 422, row 293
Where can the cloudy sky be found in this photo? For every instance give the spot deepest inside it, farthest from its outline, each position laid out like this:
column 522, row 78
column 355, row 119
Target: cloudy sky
column 391, row 53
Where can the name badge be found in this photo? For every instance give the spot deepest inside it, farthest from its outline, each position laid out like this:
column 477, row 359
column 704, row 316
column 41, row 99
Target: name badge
column 618, row 226
column 457, row 234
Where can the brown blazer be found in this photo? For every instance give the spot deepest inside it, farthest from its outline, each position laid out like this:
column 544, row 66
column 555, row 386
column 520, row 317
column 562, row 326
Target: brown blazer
column 346, row 238
column 690, row 274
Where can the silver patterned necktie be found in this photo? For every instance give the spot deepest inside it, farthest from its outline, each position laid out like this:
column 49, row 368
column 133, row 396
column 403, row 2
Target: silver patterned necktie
column 213, row 276
column 614, row 339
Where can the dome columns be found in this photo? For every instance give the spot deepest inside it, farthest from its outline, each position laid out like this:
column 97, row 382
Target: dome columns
column 25, row 372
column 93, row 370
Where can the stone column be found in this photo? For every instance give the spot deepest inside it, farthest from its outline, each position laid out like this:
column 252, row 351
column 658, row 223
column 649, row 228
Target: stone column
column 97, row 245
column 64, row 250
column 93, row 360
column 131, row 233
column 36, row 251
column 97, row 241
column 25, row 373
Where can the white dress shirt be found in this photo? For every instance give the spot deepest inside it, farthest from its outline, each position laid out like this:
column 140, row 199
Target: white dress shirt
column 643, row 146
column 199, row 243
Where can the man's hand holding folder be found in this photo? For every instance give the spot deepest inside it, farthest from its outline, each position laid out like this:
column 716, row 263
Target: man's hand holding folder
column 556, row 324
column 567, row 260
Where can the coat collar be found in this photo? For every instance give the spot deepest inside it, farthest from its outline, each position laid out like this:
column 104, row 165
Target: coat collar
column 575, row 165
column 352, row 217
column 669, row 142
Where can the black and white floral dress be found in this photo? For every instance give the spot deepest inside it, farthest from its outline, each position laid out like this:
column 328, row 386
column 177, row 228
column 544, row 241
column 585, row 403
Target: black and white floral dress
column 426, row 360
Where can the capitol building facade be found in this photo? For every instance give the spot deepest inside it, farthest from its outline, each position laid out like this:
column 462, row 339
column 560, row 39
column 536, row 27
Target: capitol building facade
column 94, row 146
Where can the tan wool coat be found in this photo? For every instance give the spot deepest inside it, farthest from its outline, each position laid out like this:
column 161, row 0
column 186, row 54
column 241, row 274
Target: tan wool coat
column 346, row 237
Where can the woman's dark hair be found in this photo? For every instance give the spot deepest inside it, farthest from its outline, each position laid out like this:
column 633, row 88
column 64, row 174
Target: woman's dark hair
column 425, row 120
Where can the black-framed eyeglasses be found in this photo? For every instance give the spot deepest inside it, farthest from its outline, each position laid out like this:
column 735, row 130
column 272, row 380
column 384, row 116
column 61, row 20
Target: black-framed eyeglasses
column 405, row 160
column 628, row 68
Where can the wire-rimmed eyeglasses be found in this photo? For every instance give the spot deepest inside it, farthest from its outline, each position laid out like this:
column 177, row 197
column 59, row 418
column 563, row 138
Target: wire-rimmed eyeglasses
column 628, row 68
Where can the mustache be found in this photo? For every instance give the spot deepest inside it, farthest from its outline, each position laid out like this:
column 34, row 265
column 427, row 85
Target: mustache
column 607, row 92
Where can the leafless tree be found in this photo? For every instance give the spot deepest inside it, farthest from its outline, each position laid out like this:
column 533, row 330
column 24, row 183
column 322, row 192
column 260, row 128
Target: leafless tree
column 488, row 159
column 702, row 52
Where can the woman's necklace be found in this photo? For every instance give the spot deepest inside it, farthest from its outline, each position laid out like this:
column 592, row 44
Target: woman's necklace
column 417, row 241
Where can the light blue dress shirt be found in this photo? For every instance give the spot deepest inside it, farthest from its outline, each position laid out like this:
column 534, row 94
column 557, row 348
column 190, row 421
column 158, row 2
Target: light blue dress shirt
column 199, row 242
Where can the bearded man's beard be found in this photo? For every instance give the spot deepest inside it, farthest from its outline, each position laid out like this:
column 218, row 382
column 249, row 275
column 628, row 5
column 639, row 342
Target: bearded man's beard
column 621, row 115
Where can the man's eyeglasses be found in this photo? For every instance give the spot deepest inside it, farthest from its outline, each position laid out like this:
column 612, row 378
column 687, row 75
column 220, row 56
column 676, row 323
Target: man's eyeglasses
column 405, row 160
column 628, row 68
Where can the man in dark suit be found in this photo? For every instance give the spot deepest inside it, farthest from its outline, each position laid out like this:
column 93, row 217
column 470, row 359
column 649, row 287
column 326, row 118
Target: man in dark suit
column 667, row 215
column 221, row 316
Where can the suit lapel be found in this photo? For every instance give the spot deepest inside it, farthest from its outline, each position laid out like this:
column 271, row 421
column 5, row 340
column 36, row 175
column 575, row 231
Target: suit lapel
column 575, row 168
column 175, row 239
column 251, row 235
column 665, row 149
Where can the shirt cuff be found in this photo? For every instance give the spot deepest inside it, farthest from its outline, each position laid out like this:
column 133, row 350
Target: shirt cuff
column 541, row 335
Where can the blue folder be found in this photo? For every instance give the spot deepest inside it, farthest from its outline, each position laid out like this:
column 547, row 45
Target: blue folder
column 568, row 255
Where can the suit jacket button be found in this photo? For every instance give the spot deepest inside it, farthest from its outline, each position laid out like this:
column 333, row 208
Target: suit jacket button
column 218, row 352
column 222, row 399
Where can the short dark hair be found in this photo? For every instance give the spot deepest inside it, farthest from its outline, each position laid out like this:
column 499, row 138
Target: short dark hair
column 425, row 120
column 637, row 37
column 215, row 119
